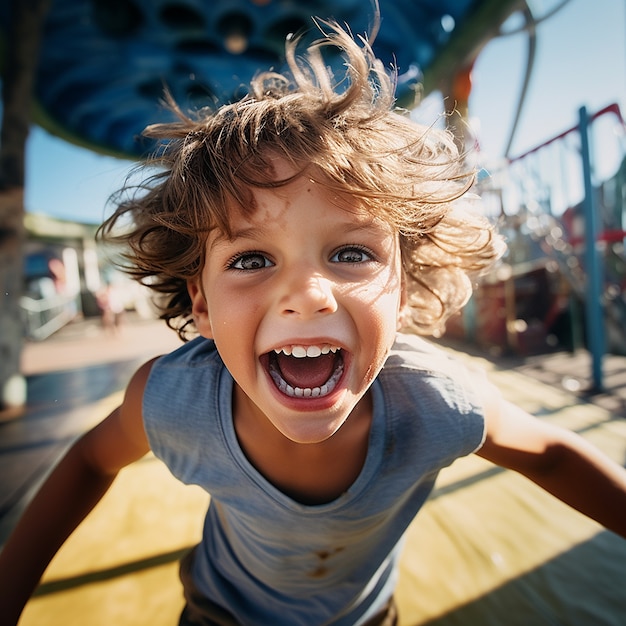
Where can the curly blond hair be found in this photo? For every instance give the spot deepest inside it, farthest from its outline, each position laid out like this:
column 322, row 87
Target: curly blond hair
column 347, row 135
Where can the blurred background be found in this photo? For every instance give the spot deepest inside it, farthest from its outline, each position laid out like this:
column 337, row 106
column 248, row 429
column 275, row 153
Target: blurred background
column 516, row 72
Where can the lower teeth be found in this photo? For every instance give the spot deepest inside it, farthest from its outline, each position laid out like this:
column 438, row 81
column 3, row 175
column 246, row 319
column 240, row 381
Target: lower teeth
column 307, row 392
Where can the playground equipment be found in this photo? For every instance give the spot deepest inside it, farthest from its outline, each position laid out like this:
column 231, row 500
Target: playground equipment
column 104, row 64
column 562, row 207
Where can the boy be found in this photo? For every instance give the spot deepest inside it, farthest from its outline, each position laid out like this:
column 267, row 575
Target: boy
column 296, row 231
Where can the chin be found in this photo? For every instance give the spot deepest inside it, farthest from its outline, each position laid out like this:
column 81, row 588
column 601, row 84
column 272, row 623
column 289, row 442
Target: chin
column 309, row 436
column 307, row 424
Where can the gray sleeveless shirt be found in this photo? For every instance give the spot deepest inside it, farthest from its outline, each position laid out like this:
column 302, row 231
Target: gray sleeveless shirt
column 268, row 559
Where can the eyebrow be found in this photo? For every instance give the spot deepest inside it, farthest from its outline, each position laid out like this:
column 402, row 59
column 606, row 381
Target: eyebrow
column 254, row 232
column 369, row 225
column 251, row 232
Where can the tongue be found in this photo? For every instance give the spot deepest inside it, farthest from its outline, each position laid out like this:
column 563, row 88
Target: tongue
column 306, row 372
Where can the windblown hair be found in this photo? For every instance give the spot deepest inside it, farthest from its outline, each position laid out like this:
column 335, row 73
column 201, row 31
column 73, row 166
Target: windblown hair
column 348, row 136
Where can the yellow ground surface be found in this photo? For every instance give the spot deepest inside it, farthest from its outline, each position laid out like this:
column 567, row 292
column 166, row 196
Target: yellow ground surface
column 488, row 549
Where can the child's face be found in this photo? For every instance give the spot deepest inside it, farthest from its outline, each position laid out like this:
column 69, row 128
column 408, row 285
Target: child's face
column 300, row 275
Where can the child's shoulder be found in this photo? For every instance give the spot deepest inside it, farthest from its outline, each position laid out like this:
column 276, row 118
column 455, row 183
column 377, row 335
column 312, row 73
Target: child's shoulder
column 413, row 351
column 197, row 351
column 419, row 361
column 437, row 390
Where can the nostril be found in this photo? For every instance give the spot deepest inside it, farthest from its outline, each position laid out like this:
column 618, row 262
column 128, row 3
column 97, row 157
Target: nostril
column 308, row 293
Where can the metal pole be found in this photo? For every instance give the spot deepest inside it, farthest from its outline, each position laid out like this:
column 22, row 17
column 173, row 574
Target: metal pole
column 593, row 300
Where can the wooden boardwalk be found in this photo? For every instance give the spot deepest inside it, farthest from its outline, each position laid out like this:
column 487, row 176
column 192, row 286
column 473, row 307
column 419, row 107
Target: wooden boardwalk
column 488, row 549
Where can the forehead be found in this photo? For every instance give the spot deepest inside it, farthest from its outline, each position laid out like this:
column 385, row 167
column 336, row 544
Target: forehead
column 304, row 199
column 310, row 199
column 281, row 183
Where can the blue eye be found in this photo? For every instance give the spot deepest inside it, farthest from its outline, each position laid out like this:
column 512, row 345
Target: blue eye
column 352, row 254
column 250, row 261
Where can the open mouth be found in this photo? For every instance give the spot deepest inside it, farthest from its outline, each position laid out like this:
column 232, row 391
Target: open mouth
column 306, row 371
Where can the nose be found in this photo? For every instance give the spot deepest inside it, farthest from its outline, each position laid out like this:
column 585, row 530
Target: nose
column 308, row 295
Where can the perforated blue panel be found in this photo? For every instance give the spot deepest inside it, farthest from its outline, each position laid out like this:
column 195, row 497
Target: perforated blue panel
column 104, row 63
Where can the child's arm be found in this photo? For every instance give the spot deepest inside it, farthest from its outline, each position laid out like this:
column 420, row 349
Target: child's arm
column 73, row 488
column 558, row 460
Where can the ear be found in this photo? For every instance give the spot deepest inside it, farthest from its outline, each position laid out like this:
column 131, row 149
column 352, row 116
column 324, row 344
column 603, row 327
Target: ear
column 199, row 308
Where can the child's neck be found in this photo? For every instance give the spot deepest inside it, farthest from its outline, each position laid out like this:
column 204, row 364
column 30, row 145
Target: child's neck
column 312, row 473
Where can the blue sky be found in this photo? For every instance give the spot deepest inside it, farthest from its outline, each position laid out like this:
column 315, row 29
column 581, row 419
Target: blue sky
column 581, row 60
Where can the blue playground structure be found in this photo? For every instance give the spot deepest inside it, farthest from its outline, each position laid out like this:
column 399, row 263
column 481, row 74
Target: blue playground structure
column 104, row 64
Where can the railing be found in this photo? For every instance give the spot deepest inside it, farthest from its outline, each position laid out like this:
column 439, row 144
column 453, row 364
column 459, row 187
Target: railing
column 568, row 196
column 47, row 315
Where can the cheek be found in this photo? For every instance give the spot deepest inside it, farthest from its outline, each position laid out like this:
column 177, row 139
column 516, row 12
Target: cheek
column 384, row 295
column 376, row 315
column 233, row 315
column 385, row 311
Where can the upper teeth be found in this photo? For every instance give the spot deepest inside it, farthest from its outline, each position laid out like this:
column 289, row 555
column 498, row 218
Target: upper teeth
column 311, row 351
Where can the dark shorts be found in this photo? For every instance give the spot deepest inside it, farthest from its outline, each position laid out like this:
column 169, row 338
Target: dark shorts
column 202, row 612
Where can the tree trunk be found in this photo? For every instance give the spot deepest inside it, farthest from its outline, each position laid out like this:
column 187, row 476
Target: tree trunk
column 22, row 52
